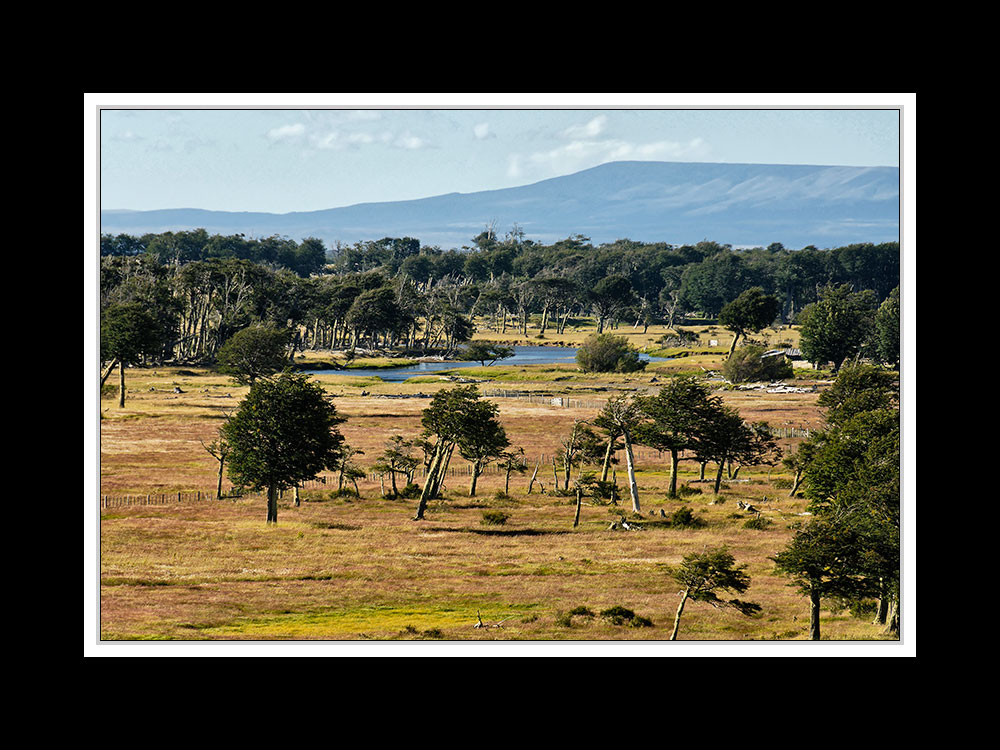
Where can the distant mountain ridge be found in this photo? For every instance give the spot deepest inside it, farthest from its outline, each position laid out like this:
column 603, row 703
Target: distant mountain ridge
column 673, row 202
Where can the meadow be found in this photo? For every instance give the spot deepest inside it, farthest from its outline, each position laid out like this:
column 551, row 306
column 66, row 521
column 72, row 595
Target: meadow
column 497, row 566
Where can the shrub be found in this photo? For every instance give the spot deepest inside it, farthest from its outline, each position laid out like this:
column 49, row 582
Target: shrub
column 619, row 615
column 494, row 517
column 582, row 611
column 684, row 518
column 748, row 365
column 608, row 353
column 760, row 523
column 410, row 491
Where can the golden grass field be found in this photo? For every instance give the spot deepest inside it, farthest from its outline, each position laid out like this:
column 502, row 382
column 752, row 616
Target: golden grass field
column 354, row 569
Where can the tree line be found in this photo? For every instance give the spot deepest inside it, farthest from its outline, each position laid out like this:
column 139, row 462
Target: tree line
column 190, row 292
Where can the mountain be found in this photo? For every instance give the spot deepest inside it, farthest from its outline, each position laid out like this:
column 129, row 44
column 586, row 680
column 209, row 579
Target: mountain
column 674, row 202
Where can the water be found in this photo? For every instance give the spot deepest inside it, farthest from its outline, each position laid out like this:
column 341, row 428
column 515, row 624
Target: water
column 523, row 355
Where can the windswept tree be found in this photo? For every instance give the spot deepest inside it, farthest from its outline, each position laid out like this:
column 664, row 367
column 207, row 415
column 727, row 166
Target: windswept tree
column 621, row 416
column 482, row 440
column 751, row 312
column 676, row 414
column 703, row 575
column 396, row 459
column 485, row 352
column 455, row 416
column 254, row 352
column 129, row 332
column 725, row 438
column 284, row 432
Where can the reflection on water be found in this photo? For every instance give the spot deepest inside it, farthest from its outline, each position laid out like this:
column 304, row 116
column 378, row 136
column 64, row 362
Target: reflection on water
column 523, row 355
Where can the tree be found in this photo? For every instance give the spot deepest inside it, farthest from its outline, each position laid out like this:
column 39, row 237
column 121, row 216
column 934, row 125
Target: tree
column 611, row 296
column 702, row 575
column 396, row 459
column 825, row 559
column 456, row 415
column 482, row 439
column 749, row 313
column 838, row 326
column 621, row 416
column 284, row 432
column 676, row 415
column 887, row 329
column 218, row 449
column 511, row 461
column 254, row 352
column 724, row 437
column 485, row 352
column 606, row 352
column 751, row 363
column 128, row 333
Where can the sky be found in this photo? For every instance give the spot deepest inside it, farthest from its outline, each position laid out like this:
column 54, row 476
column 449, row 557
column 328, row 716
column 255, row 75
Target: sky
column 288, row 153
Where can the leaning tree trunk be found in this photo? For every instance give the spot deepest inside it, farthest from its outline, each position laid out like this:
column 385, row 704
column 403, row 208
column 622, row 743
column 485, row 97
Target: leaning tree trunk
column 814, row 614
column 677, row 617
column 428, row 483
column 607, row 459
column 633, row 488
column 672, row 492
column 718, row 477
column 107, row 372
column 272, row 504
column 472, row 482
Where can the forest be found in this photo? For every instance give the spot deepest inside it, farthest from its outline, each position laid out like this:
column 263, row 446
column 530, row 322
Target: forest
column 395, row 293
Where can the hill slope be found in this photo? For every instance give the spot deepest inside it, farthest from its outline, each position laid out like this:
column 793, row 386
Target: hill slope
column 738, row 204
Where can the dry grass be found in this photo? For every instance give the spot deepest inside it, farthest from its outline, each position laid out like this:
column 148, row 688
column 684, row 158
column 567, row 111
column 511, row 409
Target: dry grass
column 354, row 569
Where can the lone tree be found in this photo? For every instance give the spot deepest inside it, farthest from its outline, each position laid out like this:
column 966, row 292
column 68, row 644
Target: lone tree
column 703, row 574
column 129, row 332
column 752, row 311
column 485, row 352
column 482, row 439
column 621, row 416
column 284, row 432
column 254, row 352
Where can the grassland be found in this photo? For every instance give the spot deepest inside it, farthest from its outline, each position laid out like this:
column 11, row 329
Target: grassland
column 349, row 569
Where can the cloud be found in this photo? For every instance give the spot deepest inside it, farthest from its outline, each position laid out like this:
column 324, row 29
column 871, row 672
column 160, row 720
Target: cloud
column 590, row 129
column 583, row 153
column 286, row 132
column 482, row 131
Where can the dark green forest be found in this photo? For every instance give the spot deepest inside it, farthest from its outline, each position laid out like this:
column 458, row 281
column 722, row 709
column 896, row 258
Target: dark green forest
column 200, row 289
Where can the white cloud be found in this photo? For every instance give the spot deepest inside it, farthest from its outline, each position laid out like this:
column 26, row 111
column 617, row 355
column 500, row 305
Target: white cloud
column 481, row 130
column 286, row 131
column 409, row 141
column 582, row 154
column 590, row 129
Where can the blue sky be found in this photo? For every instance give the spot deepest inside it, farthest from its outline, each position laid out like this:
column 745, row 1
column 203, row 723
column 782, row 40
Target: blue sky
column 310, row 152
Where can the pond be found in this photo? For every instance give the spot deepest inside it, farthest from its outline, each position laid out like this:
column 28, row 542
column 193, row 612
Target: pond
column 523, row 355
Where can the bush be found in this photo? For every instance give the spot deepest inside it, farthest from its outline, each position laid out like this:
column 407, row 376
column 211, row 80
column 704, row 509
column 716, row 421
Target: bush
column 410, row 491
column 684, row 518
column 760, row 523
column 618, row 615
column 608, row 353
column 494, row 517
column 748, row 365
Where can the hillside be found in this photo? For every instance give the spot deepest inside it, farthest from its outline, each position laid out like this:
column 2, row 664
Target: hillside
column 679, row 203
